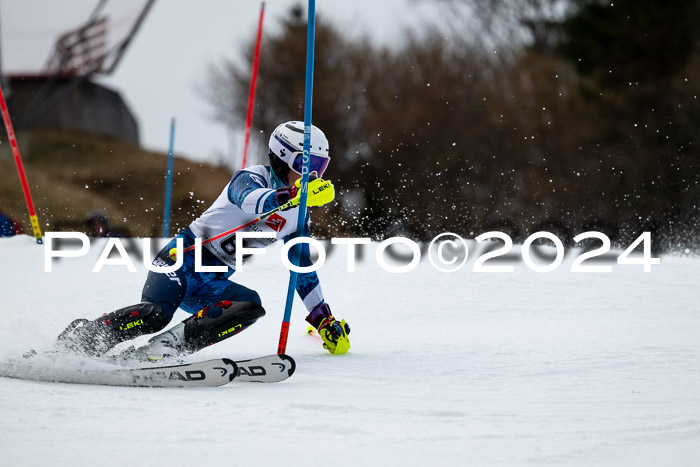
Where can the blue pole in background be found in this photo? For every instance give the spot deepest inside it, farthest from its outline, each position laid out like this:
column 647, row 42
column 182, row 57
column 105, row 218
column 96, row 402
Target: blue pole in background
column 308, row 93
column 169, row 182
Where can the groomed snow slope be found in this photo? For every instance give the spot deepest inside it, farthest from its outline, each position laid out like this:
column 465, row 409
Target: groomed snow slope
column 445, row 369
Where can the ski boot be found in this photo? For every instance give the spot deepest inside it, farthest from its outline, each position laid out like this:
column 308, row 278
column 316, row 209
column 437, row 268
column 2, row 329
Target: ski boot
column 210, row 325
column 95, row 338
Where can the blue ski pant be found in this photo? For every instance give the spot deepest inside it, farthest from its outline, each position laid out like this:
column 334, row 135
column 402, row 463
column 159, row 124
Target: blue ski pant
column 192, row 290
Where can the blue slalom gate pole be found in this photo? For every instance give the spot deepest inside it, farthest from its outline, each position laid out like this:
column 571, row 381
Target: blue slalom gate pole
column 308, row 94
column 169, row 182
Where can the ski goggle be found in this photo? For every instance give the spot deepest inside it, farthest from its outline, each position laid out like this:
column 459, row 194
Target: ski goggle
column 295, row 160
column 317, row 163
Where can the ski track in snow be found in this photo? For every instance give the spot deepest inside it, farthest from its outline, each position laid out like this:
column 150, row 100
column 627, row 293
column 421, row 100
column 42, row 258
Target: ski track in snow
column 445, row 369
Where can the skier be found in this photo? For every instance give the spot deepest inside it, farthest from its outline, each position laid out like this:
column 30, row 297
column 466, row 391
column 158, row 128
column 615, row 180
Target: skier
column 9, row 226
column 221, row 308
column 97, row 224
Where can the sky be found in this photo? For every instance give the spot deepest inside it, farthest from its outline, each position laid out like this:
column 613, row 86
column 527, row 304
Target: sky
column 164, row 71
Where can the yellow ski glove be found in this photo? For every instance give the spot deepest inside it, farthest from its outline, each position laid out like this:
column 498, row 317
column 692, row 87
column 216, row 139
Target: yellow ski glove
column 334, row 335
column 320, row 192
column 333, row 332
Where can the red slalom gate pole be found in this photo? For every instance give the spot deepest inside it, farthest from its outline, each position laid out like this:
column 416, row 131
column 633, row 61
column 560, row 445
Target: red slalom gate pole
column 20, row 168
column 251, row 94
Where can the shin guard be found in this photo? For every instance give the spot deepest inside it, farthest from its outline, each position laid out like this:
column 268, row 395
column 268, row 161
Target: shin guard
column 220, row 321
column 212, row 324
column 99, row 336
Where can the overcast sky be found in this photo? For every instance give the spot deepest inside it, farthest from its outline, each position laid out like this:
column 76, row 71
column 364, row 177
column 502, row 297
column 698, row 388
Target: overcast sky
column 162, row 72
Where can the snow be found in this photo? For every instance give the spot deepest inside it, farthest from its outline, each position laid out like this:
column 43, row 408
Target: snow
column 445, row 369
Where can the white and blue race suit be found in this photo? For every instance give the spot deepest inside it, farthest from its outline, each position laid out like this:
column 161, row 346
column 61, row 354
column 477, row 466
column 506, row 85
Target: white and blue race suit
column 250, row 192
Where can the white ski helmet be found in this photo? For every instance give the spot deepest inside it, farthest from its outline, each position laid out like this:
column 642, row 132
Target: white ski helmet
column 287, row 149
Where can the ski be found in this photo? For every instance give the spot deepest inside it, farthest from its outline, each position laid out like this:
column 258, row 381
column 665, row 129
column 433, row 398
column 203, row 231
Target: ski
column 70, row 368
column 209, row 373
column 269, row 369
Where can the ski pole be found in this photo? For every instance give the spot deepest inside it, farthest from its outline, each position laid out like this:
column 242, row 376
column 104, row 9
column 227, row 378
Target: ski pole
column 289, row 204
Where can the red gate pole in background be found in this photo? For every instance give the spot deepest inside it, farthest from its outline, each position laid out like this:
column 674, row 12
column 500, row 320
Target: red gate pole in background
column 251, row 94
column 20, row 168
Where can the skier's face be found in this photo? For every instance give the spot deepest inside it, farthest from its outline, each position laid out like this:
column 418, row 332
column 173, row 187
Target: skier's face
column 292, row 177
